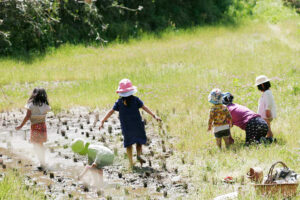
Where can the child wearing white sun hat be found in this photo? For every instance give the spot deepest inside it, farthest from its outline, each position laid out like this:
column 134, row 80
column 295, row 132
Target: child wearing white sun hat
column 132, row 125
column 266, row 103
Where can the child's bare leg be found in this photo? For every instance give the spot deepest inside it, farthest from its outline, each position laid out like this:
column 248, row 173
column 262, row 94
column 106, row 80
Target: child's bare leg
column 40, row 152
column 43, row 156
column 129, row 155
column 138, row 149
column 100, row 172
column 219, row 142
column 97, row 176
column 139, row 153
column 270, row 133
column 87, row 167
column 231, row 140
column 227, row 141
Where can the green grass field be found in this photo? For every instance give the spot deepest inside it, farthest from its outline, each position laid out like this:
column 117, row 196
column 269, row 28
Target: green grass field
column 174, row 74
column 13, row 187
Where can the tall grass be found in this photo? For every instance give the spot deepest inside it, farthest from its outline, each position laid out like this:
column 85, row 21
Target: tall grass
column 174, row 74
column 13, row 187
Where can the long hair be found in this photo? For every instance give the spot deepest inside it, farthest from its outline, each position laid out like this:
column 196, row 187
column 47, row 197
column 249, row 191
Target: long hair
column 127, row 100
column 38, row 97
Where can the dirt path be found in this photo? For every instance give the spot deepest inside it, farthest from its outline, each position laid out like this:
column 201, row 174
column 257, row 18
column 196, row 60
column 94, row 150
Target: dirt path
column 161, row 177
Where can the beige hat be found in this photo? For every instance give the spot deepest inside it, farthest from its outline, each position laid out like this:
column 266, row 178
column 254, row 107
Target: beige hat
column 261, row 79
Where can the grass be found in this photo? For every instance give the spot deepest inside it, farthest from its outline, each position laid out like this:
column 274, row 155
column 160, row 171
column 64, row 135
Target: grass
column 174, row 75
column 13, row 187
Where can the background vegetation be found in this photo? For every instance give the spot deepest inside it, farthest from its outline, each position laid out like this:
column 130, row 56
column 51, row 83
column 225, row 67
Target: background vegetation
column 174, row 73
column 30, row 26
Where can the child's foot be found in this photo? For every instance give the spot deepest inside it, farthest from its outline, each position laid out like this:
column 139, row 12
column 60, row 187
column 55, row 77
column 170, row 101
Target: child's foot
column 130, row 167
column 231, row 140
column 141, row 160
column 263, row 140
column 270, row 140
column 41, row 168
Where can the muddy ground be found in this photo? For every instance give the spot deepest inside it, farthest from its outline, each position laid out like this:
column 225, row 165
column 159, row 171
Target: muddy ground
column 162, row 177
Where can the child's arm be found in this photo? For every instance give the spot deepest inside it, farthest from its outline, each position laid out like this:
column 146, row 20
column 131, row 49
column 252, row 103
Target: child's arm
column 106, row 117
column 229, row 118
column 145, row 108
column 87, row 167
column 268, row 114
column 269, row 104
column 210, row 120
column 26, row 118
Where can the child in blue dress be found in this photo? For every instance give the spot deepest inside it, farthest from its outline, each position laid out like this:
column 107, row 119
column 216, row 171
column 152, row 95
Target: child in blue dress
column 132, row 125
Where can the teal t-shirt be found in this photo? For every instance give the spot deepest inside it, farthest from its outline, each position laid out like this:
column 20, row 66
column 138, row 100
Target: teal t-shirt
column 101, row 155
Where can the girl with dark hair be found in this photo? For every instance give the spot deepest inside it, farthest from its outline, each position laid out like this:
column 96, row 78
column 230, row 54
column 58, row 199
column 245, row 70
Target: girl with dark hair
column 256, row 127
column 37, row 108
column 132, row 126
column 266, row 104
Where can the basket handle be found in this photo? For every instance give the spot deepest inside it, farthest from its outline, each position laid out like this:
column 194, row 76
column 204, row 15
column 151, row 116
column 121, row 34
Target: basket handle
column 270, row 174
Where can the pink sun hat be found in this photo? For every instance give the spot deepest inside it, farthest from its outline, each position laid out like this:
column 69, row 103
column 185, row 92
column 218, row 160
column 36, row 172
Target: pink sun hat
column 126, row 88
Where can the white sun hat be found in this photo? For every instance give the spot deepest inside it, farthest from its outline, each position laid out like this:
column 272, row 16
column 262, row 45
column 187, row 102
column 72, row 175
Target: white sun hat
column 127, row 94
column 261, row 79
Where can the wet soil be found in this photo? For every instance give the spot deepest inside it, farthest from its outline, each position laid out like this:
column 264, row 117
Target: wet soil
column 161, row 177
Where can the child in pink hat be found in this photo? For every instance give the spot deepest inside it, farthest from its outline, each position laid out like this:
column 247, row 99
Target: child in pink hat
column 132, row 125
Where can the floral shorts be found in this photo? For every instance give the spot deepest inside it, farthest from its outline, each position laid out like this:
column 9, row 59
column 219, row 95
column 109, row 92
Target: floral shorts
column 38, row 133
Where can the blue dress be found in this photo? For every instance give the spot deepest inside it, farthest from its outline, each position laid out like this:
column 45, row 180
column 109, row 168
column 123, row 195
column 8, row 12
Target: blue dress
column 132, row 126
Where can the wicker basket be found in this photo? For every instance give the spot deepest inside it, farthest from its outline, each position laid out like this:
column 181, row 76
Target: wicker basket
column 271, row 188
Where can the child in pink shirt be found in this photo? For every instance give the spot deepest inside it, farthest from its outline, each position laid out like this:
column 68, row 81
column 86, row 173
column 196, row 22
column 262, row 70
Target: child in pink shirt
column 256, row 127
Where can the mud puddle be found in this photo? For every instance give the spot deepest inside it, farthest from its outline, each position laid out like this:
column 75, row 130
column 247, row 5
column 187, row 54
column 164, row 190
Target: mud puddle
column 161, row 177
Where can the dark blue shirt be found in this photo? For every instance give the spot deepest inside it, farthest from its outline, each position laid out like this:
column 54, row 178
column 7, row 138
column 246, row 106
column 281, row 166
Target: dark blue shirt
column 132, row 126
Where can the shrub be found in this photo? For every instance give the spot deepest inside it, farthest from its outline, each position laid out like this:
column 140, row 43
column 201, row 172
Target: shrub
column 26, row 25
column 272, row 10
column 32, row 25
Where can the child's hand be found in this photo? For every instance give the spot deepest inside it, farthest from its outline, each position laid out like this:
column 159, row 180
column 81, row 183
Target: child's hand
column 18, row 128
column 101, row 125
column 157, row 118
column 93, row 165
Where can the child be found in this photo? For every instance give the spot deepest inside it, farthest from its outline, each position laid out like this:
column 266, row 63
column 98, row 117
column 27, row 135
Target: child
column 98, row 157
column 256, row 128
column 132, row 125
column 37, row 108
column 266, row 104
column 219, row 118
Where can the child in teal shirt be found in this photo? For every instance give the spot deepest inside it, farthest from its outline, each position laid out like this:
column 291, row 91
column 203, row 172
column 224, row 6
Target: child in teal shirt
column 98, row 157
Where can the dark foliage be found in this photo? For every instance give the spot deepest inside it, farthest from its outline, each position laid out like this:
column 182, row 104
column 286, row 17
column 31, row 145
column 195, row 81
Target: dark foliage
column 33, row 25
column 293, row 3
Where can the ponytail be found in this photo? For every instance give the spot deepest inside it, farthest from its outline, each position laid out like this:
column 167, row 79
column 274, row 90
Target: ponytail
column 127, row 100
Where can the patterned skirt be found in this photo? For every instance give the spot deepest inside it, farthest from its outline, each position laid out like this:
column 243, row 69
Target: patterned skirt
column 255, row 129
column 38, row 133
